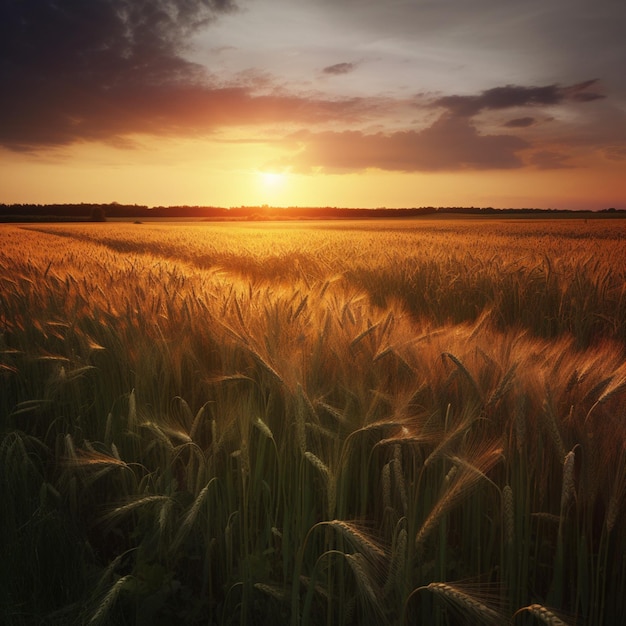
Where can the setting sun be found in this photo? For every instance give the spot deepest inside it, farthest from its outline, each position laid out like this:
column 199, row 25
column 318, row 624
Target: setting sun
column 272, row 179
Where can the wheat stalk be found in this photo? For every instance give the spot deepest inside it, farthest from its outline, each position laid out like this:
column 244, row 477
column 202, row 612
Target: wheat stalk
column 508, row 514
column 300, row 421
column 385, row 479
column 520, row 422
column 398, row 475
column 466, row 479
column 617, row 494
column 132, row 410
column 567, row 489
column 553, row 429
column 398, row 555
column 365, row 582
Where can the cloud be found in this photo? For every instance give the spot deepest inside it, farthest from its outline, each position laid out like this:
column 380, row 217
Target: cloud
column 105, row 69
column 339, row 68
column 549, row 160
column 67, row 64
column 615, row 153
column 451, row 143
column 520, row 122
column 517, row 96
column 101, row 42
column 76, row 115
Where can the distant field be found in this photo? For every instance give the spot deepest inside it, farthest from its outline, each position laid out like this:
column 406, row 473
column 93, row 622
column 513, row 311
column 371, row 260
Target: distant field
column 418, row 422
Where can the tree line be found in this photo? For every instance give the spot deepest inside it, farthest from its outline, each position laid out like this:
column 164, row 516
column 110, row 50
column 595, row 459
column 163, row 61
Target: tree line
column 114, row 210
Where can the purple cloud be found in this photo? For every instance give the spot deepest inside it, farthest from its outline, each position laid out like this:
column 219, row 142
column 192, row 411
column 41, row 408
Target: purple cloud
column 451, row 143
column 517, row 96
column 520, row 122
column 339, row 68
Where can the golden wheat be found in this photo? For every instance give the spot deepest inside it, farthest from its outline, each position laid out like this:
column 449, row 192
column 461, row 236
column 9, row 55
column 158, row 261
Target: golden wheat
column 327, row 341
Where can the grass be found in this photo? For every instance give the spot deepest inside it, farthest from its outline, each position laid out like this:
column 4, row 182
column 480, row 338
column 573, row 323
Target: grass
column 332, row 423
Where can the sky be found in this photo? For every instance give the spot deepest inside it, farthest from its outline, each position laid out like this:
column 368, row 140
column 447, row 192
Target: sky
column 354, row 103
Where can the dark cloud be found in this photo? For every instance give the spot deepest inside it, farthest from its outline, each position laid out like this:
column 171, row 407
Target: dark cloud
column 159, row 110
column 339, row 68
column 85, row 70
column 517, row 96
column 520, row 122
column 451, row 143
column 71, row 63
column 101, row 41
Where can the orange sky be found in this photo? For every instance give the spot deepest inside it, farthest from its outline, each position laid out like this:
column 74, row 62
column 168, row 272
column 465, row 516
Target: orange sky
column 314, row 103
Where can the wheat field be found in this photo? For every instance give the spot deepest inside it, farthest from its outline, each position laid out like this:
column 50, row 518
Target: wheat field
column 398, row 422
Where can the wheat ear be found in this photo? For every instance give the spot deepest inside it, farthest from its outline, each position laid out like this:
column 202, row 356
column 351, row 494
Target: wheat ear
column 542, row 613
column 465, row 602
column 357, row 538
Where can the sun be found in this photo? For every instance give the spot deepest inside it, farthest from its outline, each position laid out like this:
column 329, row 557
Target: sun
column 273, row 187
column 272, row 180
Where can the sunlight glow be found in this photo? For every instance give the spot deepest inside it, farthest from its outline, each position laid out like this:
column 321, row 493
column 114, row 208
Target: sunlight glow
column 272, row 179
